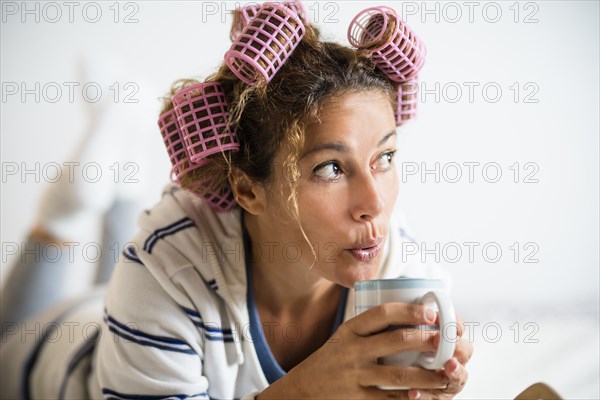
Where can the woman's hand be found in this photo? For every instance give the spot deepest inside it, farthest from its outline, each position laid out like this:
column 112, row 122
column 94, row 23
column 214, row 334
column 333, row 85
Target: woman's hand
column 454, row 369
column 346, row 366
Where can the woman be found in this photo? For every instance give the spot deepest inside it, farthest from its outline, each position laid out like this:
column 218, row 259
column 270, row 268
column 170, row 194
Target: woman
column 255, row 301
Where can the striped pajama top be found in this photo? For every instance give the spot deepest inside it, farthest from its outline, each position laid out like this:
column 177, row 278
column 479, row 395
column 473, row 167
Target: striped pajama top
column 177, row 320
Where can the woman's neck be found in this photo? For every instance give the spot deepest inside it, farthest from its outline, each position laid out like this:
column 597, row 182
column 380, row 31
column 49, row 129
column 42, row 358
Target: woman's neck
column 281, row 286
column 285, row 294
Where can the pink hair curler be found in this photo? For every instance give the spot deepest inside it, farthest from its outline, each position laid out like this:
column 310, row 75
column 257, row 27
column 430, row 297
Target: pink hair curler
column 298, row 8
column 402, row 56
column 265, row 43
column 220, row 200
column 203, row 118
column 243, row 15
column 241, row 18
column 181, row 163
column 368, row 27
column 407, row 101
column 171, row 133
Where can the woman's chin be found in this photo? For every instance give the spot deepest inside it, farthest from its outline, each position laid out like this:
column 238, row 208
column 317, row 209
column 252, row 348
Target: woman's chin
column 358, row 273
column 349, row 271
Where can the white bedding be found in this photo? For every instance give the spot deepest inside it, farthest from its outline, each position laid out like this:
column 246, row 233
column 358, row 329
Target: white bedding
column 566, row 356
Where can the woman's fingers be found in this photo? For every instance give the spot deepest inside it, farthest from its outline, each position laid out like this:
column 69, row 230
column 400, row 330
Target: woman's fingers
column 457, row 376
column 374, row 325
column 403, row 377
column 379, row 318
column 377, row 340
column 460, row 326
column 463, row 351
column 374, row 393
column 398, row 340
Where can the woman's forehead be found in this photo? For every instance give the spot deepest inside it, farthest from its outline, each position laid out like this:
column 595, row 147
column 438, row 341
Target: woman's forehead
column 352, row 111
column 353, row 120
column 351, row 100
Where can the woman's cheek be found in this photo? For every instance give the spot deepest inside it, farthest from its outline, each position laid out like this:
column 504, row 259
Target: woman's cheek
column 390, row 188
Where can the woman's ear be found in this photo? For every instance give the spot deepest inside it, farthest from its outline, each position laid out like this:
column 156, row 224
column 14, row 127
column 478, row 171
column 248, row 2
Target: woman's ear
column 251, row 196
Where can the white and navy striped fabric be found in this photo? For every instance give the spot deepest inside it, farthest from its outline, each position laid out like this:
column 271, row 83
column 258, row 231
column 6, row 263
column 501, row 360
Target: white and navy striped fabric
column 130, row 254
column 171, row 229
column 133, row 335
column 112, row 395
column 174, row 308
column 175, row 314
column 181, row 313
column 209, row 330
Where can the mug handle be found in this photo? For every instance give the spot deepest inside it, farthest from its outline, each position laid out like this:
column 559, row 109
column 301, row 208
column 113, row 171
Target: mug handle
column 448, row 336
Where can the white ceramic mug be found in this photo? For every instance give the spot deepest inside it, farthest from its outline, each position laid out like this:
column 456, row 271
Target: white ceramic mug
column 430, row 292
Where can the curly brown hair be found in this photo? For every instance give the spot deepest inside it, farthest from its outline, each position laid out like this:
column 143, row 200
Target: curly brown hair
column 271, row 116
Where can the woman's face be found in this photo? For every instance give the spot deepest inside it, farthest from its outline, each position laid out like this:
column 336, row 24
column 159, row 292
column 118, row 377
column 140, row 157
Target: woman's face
column 346, row 193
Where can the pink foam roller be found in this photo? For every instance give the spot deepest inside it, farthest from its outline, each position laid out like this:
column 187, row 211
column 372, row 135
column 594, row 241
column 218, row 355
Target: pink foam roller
column 243, row 15
column 298, row 8
column 241, row 18
column 203, row 118
column 402, row 56
column 407, row 101
column 221, row 201
column 265, row 43
column 181, row 163
column 368, row 27
column 173, row 138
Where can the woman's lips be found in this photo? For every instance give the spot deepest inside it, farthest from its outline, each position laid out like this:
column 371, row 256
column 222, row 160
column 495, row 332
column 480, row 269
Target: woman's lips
column 367, row 253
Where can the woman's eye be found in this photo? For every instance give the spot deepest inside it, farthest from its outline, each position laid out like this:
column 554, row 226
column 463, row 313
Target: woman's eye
column 328, row 171
column 385, row 161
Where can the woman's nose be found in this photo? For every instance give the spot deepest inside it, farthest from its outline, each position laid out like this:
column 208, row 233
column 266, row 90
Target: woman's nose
column 368, row 202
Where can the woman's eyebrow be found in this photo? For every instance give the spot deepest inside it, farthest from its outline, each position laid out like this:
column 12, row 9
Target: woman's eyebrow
column 336, row 146
column 386, row 137
column 343, row 147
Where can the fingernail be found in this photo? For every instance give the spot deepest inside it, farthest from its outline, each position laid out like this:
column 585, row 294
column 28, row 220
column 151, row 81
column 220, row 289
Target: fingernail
column 430, row 315
column 452, row 366
column 416, row 395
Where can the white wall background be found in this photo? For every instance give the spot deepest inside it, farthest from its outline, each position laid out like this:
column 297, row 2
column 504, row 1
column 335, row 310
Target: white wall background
column 547, row 52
